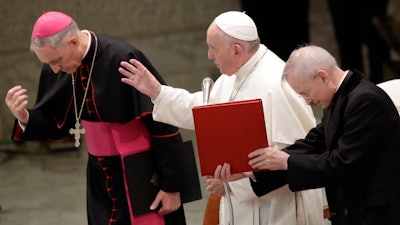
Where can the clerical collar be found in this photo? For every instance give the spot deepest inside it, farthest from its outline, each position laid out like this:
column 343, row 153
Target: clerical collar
column 341, row 81
column 247, row 68
column 89, row 44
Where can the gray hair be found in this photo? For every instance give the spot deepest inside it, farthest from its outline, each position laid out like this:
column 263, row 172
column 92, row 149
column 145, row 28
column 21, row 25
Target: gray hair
column 306, row 60
column 56, row 40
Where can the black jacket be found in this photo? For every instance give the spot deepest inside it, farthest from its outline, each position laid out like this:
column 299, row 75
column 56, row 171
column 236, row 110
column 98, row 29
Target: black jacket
column 354, row 153
column 110, row 100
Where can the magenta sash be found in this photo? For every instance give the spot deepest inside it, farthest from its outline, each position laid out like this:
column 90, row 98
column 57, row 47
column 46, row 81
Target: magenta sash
column 111, row 139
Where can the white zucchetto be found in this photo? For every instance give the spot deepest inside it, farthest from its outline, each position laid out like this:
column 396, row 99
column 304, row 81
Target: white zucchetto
column 238, row 25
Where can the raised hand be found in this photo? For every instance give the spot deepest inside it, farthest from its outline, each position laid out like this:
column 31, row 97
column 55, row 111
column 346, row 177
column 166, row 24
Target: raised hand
column 139, row 77
column 17, row 101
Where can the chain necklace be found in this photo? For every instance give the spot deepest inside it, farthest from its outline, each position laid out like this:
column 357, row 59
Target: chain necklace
column 77, row 131
column 233, row 96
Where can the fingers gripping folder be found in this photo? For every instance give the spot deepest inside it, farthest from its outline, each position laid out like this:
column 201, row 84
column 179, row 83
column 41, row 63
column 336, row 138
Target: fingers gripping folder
column 226, row 133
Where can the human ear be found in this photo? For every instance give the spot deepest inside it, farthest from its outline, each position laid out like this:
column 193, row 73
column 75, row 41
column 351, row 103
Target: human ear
column 237, row 49
column 323, row 75
column 73, row 40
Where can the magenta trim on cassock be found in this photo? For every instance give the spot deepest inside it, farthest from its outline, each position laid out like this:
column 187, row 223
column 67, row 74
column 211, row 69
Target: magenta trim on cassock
column 111, row 139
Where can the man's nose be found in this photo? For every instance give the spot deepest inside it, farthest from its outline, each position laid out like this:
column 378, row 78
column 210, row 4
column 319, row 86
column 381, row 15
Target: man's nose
column 55, row 68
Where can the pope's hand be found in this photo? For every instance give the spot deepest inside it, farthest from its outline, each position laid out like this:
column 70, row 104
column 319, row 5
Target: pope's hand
column 215, row 186
column 139, row 77
column 223, row 173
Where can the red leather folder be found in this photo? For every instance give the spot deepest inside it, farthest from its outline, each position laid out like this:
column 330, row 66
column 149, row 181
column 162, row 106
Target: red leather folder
column 227, row 133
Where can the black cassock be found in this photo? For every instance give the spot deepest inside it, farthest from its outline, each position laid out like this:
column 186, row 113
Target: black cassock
column 107, row 100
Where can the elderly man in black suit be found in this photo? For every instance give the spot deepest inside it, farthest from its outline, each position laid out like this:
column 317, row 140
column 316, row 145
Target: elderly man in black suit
column 354, row 152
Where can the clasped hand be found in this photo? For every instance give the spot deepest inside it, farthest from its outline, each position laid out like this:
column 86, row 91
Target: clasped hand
column 268, row 159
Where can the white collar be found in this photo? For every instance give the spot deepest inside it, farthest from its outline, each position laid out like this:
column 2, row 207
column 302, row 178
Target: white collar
column 341, row 81
column 251, row 63
column 89, row 42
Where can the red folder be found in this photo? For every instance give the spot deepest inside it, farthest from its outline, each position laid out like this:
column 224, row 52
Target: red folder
column 227, row 133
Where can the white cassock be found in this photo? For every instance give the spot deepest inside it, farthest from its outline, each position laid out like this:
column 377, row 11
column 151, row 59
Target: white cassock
column 287, row 118
column 392, row 88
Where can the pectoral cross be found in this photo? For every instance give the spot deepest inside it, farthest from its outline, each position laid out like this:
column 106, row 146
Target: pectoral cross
column 77, row 133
